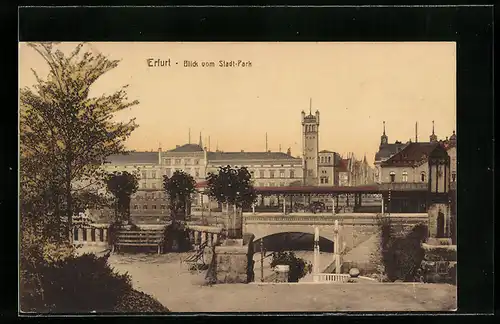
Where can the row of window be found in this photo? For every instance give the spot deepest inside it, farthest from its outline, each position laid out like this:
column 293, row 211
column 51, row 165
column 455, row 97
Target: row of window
column 182, row 161
column 325, row 159
column 310, row 128
column 404, row 176
column 145, row 207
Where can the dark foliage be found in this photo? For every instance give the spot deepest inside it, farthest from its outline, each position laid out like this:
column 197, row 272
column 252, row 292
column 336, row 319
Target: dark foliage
column 77, row 284
column 137, row 301
column 232, row 186
column 122, row 185
column 176, row 238
column 299, row 268
column 179, row 188
column 402, row 253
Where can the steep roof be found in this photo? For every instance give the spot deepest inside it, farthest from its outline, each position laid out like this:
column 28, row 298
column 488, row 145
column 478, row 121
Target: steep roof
column 250, row 156
column 387, row 150
column 412, row 153
column 187, row 148
column 342, row 167
column 134, row 158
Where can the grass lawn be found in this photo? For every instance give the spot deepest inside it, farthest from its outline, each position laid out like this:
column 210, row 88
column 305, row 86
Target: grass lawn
column 172, row 284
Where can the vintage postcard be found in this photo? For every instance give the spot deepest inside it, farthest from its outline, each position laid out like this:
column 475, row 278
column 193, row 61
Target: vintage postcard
column 173, row 177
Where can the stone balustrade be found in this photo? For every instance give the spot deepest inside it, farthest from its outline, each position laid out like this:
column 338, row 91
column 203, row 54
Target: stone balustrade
column 329, row 219
column 331, row 277
column 93, row 235
column 200, row 235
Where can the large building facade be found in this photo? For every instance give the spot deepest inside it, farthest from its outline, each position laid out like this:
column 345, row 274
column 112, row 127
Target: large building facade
column 408, row 162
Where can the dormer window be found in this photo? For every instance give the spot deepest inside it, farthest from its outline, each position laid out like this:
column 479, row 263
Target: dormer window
column 392, row 175
column 422, row 177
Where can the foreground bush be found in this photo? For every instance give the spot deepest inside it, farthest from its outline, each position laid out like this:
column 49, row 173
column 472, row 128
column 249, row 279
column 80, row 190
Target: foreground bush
column 176, row 238
column 401, row 251
column 137, row 301
column 80, row 284
column 299, row 268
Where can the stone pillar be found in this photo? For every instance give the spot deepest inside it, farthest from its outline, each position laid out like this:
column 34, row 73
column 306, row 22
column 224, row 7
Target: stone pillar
column 203, row 237
column 98, row 235
column 336, row 247
column 215, row 239
column 89, row 234
column 316, row 253
column 383, row 211
column 284, row 205
column 333, row 205
column 105, row 234
column 80, row 234
column 196, row 241
column 234, row 260
column 253, row 208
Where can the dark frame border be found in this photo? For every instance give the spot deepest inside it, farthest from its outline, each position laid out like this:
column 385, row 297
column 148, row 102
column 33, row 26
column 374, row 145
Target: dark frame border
column 470, row 27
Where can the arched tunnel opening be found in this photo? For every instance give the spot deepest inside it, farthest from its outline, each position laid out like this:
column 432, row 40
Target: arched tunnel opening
column 292, row 241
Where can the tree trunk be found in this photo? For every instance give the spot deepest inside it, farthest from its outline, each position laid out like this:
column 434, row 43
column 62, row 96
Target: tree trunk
column 69, row 202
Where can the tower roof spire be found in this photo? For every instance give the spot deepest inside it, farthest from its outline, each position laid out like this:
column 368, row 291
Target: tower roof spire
column 200, row 142
column 310, row 106
column 432, row 127
column 384, row 128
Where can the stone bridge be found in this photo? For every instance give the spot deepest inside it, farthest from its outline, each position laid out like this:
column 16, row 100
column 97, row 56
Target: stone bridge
column 354, row 228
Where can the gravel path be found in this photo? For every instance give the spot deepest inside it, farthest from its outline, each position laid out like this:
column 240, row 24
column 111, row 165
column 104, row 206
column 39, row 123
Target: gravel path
column 172, row 284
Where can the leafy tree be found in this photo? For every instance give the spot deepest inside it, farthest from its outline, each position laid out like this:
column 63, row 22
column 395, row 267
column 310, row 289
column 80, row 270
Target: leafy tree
column 122, row 185
column 179, row 188
column 299, row 268
column 65, row 134
column 232, row 186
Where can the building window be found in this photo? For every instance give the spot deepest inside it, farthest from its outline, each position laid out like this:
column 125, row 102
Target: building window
column 329, row 159
column 310, row 173
column 168, row 172
column 144, row 174
column 145, row 207
column 153, row 206
column 153, row 185
column 163, row 207
column 252, row 174
column 177, row 161
column 453, row 177
column 188, row 161
column 136, row 207
column 393, row 176
column 197, row 161
column 153, row 174
column 168, row 161
column 404, row 176
column 282, row 173
column 197, row 173
column 188, row 171
column 261, row 174
column 271, row 174
column 292, row 174
column 153, row 195
column 422, row 176
column 271, row 184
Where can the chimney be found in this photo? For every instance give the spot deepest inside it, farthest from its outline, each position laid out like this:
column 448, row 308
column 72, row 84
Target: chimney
column 289, row 152
column 177, row 146
column 266, row 142
column 242, row 151
column 416, row 132
column 159, row 154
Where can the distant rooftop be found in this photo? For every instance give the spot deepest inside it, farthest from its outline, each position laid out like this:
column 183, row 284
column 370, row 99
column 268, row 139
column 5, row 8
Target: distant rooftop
column 217, row 156
column 134, row 158
column 187, row 148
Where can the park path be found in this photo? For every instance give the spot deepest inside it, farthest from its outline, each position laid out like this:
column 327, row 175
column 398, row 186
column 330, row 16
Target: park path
column 363, row 252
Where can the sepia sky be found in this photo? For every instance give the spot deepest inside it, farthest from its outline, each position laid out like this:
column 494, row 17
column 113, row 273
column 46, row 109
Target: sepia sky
column 355, row 86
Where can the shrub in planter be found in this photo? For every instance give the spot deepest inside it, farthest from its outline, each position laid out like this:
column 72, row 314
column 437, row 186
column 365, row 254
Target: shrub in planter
column 176, row 238
column 299, row 268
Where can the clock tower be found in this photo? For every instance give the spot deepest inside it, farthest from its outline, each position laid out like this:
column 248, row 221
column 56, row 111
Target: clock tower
column 310, row 146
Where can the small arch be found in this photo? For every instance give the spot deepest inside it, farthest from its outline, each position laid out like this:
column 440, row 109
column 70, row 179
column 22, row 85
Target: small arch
column 392, row 175
column 292, row 241
column 423, row 176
